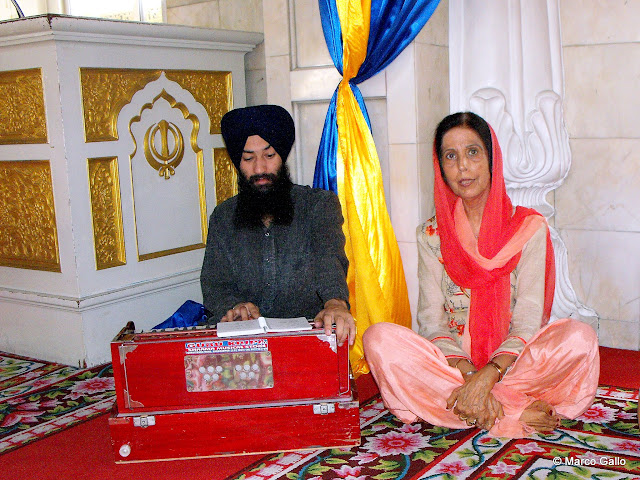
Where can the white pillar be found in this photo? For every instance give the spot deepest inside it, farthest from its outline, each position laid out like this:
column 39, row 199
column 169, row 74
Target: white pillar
column 506, row 65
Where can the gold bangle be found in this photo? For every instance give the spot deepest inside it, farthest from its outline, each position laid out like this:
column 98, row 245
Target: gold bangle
column 455, row 365
column 466, row 374
column 501, row 372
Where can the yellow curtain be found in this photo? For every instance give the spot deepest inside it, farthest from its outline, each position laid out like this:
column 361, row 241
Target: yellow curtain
column 377, row 287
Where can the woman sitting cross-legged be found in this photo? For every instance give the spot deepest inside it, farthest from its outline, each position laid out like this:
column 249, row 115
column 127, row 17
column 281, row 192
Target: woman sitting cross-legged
column 485, row 355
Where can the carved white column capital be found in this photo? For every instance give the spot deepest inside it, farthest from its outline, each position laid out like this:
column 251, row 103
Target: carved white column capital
column 506, row 66
column 537, row 160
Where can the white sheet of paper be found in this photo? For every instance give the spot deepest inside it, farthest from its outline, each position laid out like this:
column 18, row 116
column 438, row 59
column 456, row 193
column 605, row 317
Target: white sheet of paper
column 262, row 325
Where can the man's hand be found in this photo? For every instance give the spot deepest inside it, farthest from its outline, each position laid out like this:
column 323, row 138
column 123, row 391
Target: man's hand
column 242, row 311
column 336, row 313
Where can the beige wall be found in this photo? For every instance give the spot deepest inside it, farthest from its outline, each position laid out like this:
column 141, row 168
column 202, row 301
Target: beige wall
column 411, row 139
column 242, row 15
column 597, row 207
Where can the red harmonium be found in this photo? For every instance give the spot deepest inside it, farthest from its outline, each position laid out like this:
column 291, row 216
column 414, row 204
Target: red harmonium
column 187, row 393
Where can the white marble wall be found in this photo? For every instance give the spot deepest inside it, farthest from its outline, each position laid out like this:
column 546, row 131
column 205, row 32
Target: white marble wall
column 417, row 102
column 242, row 15
column 597, row 207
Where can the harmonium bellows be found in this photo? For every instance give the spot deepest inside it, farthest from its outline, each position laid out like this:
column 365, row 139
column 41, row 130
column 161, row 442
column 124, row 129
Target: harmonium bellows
column 186, row 393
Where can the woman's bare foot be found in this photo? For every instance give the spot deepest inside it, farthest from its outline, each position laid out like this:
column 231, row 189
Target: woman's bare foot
column 540, row 416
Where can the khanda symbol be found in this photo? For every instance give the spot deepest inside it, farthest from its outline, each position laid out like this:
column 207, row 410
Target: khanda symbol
column 164, row 161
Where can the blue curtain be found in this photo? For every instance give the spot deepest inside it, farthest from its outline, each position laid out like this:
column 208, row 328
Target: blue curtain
column 394, row 24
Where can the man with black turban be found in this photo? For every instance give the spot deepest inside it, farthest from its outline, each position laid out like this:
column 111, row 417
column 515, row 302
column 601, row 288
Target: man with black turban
column 276, row 249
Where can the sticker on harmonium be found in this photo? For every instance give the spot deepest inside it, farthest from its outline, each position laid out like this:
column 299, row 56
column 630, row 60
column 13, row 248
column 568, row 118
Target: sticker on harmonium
column 227, row 346
column 228, row 371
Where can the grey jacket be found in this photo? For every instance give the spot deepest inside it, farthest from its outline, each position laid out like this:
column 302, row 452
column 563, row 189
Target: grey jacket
column 285, row 270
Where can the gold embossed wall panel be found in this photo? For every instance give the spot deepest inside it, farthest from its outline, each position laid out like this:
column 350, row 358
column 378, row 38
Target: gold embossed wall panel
column 22, row 112
column 104, row 92
column 225, row 175
column 106, row 212
column 167, row 164
column 28, row 236
column 213, row 90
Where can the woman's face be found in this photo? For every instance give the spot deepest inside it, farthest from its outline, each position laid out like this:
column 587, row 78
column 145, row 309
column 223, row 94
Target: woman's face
column 465, row 162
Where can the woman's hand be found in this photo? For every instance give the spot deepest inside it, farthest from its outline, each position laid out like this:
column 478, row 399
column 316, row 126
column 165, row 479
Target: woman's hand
column 473, row 402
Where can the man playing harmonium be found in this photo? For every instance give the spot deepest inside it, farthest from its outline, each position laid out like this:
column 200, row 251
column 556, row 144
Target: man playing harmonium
column 276, row 249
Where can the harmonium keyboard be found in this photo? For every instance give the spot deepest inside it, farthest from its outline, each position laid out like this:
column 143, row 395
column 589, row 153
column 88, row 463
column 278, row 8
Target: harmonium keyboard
column 187, row 393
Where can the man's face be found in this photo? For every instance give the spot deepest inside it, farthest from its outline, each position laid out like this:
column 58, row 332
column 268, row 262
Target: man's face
column 260, row 163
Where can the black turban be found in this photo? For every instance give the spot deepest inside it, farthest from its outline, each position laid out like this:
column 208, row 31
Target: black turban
column 271, row 122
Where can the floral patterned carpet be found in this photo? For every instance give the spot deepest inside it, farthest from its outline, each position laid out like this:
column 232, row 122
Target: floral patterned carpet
column 39, row 398
column 603, row 443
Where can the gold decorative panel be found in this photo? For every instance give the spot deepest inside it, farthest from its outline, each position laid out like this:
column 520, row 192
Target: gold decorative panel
column 164, row 161
column 104, row 92
column 213, row 90
column 28, row 236
column 22, row 112
column 106, row 212
column 226, row 175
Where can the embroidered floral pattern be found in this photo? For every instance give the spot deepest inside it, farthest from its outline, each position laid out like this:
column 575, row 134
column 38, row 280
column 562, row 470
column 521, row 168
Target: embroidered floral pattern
column 454, row 468
column 91, row 386
column 455, row 327
column 393, row 450
column 429, row 230
column 41, row 398
column 501, row 467
column 396, row 443
column 598, row 414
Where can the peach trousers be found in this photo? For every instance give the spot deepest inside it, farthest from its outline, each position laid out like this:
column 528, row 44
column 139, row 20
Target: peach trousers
column 560, row 365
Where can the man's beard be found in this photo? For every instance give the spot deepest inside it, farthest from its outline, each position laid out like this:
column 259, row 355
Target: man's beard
column 258, row 201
